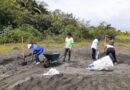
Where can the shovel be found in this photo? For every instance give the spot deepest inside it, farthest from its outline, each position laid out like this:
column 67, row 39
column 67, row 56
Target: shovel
column 24, row 62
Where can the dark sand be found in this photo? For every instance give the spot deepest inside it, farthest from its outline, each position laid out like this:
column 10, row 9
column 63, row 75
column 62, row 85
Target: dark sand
column 74, row 76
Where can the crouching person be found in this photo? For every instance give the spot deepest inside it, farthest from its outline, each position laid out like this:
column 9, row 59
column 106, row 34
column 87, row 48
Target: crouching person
column 110, row 50
column 37, row 51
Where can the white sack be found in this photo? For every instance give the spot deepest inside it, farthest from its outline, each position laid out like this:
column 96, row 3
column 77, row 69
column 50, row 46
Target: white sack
column 104, row 63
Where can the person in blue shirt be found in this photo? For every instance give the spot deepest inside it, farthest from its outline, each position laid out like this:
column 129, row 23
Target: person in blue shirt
column 37, row 50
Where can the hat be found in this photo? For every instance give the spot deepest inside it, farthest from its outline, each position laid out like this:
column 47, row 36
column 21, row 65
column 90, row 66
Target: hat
column 29, row 46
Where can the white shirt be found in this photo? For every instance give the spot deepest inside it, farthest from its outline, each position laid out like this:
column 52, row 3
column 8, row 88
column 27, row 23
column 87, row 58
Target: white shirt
column 110, row 46
column 94, row 44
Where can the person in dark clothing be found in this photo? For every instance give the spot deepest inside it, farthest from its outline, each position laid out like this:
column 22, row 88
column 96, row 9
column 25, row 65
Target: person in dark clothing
column 111, row 52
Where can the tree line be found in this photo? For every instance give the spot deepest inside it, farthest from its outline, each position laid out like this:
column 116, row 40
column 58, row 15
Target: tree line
column 33, row 21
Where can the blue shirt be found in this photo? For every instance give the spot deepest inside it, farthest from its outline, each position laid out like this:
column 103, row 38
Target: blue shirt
column 37, row 48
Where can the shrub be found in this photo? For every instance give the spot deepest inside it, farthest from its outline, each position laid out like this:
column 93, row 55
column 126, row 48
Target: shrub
column 14, row 35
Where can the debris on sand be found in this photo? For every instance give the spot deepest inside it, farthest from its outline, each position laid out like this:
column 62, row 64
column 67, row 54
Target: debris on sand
column 52, row 72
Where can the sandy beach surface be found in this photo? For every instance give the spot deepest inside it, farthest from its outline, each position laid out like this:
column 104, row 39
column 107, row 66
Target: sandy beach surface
column 74, row 75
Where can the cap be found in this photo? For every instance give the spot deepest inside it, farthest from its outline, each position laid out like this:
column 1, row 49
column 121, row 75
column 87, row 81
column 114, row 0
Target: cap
column 29, row 46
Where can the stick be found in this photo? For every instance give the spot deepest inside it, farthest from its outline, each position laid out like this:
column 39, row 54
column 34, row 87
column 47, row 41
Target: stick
column 105, row 40
column 22, row 48
column 32, row 56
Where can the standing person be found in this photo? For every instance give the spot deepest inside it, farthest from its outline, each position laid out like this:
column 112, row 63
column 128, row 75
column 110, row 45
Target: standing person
column 111, row 40
column 94, row 48
column 37, row 51
column 68, row 46
column 110, row 50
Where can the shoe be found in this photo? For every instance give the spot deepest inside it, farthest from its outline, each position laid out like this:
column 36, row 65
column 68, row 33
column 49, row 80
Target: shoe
column 38, row 63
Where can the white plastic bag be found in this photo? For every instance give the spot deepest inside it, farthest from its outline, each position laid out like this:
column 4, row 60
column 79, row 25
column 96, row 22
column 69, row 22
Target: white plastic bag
column 104, row 63
column 52, row 72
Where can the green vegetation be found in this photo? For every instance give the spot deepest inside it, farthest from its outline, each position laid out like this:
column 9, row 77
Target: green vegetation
column 33, row 22
column 4, row 48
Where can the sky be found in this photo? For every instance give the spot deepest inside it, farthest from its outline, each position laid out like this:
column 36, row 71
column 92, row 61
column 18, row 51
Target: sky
column 114, row 12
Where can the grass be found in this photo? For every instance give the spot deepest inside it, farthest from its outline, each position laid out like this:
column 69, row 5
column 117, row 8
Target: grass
column 4, row 48
column 127, row 44
column 8, row 47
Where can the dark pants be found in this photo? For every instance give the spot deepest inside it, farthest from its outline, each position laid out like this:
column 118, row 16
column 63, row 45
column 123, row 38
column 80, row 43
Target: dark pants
column 67, row 51
column 111, row 52
column 93, row 54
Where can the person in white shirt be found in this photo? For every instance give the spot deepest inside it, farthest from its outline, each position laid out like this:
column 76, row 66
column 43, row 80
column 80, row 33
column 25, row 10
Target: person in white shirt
column 94, row 48
column 68, row 46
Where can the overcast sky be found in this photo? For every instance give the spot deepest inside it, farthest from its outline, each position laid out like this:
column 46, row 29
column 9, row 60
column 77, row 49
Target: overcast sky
column 114, row 12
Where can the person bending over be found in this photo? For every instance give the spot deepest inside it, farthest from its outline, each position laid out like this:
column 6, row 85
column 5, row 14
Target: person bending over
column 37, row 51
column 110, row 50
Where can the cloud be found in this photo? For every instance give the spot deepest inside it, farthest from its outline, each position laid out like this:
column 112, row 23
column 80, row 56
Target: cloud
column 115, row 12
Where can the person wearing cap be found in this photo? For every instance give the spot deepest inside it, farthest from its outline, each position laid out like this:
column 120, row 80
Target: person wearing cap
column 68, row 46
column 37, row 51
column 94, row 48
